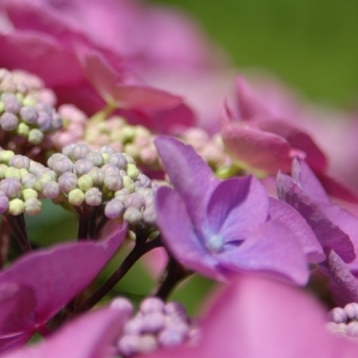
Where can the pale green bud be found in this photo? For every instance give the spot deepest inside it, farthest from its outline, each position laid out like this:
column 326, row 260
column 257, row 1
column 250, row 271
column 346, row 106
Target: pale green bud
column 85, row 182
column 23, row 129
column 3, row 168
column 16, row 207
column 29, row 193
column 35, row 136
column 132, row 171
column 128, row 183
column 13, row 173
column 6, row 155
column 76, row 197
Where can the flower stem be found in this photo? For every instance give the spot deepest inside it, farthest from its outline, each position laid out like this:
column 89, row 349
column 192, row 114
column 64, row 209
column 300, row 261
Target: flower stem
column 18, row 229
column 138, row 251
column 173, row 275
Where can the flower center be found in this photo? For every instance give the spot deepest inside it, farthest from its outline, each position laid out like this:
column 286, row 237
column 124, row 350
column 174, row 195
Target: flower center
column 215, row 243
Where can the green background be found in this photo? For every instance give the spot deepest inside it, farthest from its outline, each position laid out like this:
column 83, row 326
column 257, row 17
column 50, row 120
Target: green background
column 311, row 44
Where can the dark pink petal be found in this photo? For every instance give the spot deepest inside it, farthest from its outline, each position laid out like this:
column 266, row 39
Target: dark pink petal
column 237, row 206
column 112, row 88
column 89, row 336
column 286, row 215
column 188, row 172
column 271, row 250
column 179, row 234
column 259, row 150
column 328, row 234
column 58, row 274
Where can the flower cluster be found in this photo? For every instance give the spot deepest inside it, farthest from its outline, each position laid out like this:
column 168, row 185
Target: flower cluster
column 132, row 129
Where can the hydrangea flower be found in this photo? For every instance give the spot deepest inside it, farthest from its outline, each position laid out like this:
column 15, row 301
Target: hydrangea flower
column 218, row 227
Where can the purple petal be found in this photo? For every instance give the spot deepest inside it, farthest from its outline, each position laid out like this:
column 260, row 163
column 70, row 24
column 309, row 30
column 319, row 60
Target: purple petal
column 180, row 236
column 90, row 336
column 58, row 274
column 237, row 206
column 328, row 234
column 190, row 175
column 286, row 215
column 271, row 250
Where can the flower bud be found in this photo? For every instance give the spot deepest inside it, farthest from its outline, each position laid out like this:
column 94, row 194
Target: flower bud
column 16, row 207
column 76, row 197
column 32, row 206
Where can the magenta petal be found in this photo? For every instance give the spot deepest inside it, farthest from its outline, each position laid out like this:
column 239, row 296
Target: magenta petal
column 271, row 250
column 58, row 274
column 286, row 215
column 90, row 336
column 328, row 234
column 237, row 206
column 109, row 84
column 256, row 149
column 180, row 236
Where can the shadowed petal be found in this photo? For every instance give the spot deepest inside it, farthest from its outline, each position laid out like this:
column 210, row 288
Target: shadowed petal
column 344, row 287
column 328, row 234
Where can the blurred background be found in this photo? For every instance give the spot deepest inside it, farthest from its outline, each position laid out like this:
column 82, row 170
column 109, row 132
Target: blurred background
column 310, row 44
